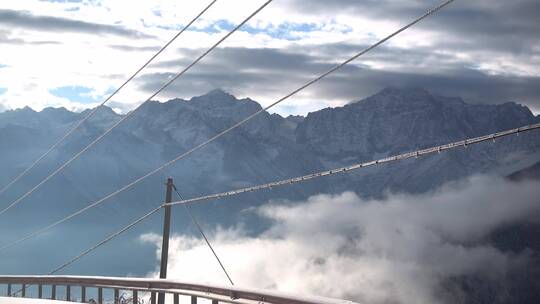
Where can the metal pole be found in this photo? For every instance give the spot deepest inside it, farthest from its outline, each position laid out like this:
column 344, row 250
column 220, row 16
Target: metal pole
column 100, row 295
column 166, row 232
column 135, row 297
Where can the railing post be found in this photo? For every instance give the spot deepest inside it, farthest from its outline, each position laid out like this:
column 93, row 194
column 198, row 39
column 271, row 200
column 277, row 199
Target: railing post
column 53, row 292
column 100, row 295
column 116, row 296
column 23, row 290
column 135, row 297
column 68, row 293
column 83, row 294
column 9, row 289
column 176, row 298
column 40, row 291
column 166, row 232
column 215, row 302
column 153, row 298
column 193, row 300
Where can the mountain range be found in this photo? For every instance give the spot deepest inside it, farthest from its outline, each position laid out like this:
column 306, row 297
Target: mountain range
column 268, row 148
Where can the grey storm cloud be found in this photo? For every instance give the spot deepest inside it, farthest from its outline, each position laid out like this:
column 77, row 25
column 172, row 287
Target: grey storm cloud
column 22, row 19
column 499, row 24
column 399, row 249
column 244, row 71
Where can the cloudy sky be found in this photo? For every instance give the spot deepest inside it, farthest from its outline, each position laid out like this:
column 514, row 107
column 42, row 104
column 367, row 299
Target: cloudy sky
column 73, row 53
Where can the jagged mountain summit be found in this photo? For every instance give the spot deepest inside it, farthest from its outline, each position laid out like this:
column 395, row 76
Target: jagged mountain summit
column 396, row 119
column 269, row 147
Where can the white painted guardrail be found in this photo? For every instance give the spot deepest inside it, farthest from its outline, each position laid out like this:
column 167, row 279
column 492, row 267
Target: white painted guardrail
column 215, row 293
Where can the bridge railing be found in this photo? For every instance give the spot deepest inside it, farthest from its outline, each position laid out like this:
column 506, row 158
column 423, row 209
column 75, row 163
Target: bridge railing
column 134, row 286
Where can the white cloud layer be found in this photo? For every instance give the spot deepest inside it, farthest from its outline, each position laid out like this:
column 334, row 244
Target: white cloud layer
column 97, row 44
column 397, row 250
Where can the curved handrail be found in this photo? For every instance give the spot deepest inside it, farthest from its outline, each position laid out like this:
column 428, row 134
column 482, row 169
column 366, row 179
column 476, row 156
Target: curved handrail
column 213, row 292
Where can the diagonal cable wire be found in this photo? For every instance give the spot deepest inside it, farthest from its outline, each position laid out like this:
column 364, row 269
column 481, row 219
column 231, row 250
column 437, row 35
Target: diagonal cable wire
column 403, row 156
column 235, row 126
column 196, row 223
column 126, row 228
column 96, row 246
column 105, row 241
column 76, row 156
column 93, row 111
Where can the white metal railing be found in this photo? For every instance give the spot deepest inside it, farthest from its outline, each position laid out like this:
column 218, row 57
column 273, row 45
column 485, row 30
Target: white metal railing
column 134, row 286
